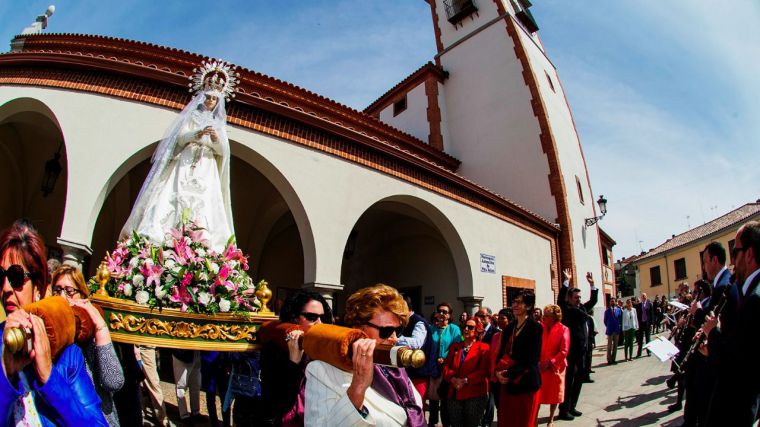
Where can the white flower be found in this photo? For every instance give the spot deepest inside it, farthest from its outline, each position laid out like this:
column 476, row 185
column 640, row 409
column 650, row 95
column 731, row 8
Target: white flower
column 138, row 280
column 142, row 297
column 214, row 268
column 175, row 270
column 127, row 289
column 224, row 305
column 204, row 298
column 128, row 242
column 233, row 264
column 133, row 262
column 203, row 277
column 160, row 292
column 200, row 252
column 169, row 264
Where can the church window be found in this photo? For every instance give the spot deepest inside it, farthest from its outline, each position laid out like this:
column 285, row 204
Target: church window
column 580, row 190
column 399, row 106
column 549, row 79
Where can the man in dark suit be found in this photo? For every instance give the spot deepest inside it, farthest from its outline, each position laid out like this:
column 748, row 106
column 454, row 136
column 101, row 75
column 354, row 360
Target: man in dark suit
column 575, row 316
column 645, row 315
column 490, row 329
column 735, row 338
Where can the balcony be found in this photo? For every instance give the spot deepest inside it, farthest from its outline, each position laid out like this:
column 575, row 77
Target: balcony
column 457, row 10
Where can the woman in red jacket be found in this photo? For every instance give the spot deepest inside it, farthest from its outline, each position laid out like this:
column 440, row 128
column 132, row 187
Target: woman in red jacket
column 466, row 369
column 554, row 347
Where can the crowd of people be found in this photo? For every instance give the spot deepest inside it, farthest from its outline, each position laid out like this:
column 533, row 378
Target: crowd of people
column 489, row 365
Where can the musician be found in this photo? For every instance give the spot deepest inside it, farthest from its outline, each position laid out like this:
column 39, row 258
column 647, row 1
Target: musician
column 714, row 264
column 697, row 381
column 736, row 338
column 574, row 315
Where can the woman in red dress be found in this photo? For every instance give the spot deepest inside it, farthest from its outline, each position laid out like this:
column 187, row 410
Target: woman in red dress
column 466, row 370
column 516, row 365
column 554, row 348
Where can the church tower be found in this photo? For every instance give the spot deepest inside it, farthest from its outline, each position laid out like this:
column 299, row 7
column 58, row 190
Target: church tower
column 494, row 101
column 507, row 119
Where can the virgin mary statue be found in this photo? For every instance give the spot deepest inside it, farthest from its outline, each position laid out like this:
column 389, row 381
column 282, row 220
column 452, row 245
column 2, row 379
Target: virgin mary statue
column 190, row 172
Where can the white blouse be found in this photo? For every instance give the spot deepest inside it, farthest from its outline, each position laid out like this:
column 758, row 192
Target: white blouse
column 630, row 321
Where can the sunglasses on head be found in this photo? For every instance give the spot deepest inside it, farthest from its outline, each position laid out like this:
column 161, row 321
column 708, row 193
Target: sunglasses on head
column 16, row 275
column 70, row 291
column 387, row 331
column 312, row 317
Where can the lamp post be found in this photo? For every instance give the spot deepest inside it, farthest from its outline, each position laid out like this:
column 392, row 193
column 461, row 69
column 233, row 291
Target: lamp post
column 53, row 169
column 602, row 202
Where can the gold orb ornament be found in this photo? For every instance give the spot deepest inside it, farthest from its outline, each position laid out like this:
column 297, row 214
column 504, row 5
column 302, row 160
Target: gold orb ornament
column 103, row 275
column 264, row 294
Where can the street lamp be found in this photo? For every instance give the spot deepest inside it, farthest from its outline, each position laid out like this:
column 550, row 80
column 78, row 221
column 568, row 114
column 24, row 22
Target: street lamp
column 602, row 202
column 53, row 169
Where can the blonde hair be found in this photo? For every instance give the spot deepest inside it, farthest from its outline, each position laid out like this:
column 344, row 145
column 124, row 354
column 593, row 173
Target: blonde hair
column 553, row 310
column 72, row 273
column 364, row 303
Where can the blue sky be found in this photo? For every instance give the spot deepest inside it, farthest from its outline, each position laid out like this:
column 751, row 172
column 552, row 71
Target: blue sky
column 664, row 94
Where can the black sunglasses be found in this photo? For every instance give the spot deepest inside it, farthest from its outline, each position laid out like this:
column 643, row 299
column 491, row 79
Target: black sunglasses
column 442, row 312
column 16, row 275
column 469, row 328
column 312, row 317
column 387, row 331
column 70, row 291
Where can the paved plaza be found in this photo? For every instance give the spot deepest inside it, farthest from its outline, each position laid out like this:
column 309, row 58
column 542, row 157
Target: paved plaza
column 627, row 394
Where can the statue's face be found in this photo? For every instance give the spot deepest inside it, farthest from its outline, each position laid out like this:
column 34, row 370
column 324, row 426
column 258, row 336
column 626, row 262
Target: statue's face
column 210, row 102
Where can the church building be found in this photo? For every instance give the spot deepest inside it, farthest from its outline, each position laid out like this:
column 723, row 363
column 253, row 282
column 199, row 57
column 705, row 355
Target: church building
column 464, row 183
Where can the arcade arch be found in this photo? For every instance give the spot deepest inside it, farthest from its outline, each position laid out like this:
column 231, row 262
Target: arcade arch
column 408, row 243
column 30, row 137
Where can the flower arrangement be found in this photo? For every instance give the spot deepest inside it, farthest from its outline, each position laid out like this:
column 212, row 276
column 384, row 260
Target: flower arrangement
column 183, row 273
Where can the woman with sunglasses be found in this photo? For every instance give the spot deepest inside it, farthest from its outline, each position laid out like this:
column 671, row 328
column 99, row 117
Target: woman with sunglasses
column 444, row 335
column 466, row 369
column 102, row 364
column 283, row 373
column 34, row 389
column 516, row 365
column 370, row 394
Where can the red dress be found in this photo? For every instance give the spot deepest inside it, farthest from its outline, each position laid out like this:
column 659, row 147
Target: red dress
column 555, row 344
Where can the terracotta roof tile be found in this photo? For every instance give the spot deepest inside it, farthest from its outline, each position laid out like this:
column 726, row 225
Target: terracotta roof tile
column 728, row 220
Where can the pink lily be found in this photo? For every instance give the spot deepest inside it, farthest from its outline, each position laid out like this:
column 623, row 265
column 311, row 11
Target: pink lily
column 152, row 273
column 180, row 293
column 233, row 253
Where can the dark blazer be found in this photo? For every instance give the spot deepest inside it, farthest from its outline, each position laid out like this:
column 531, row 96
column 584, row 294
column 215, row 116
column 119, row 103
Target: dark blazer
column 488, row 335
column 526, row 353
column 640, row 312
column 575, row 319
column 474, row 367
column 737, row 395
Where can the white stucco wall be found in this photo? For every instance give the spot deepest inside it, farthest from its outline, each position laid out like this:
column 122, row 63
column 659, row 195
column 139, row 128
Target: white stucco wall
column 413, row 120
column 327, row 195
column 490, row 121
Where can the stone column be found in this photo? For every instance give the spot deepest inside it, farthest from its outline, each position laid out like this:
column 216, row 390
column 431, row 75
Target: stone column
column 327, row 290
column 73, row 252
column 471, row 304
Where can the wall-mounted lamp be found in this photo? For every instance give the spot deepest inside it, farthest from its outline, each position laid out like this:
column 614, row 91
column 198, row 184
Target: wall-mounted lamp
column 53, row 169
column 602, row 202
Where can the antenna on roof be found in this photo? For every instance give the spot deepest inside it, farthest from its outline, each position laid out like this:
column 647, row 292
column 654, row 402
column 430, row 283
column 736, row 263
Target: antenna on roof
column 40, row 23
column 36, row 27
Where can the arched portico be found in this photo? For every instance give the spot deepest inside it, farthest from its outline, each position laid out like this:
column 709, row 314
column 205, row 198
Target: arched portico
column 32, row 147
column 270, row 222
column 406, row 242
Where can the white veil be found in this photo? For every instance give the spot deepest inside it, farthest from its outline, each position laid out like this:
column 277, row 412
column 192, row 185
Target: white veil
column 166, row 152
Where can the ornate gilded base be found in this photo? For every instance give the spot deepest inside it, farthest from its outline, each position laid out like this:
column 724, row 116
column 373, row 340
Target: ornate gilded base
column 134, row 323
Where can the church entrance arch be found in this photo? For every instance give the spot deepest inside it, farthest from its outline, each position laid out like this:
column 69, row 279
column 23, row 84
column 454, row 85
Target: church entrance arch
column 408, row 243
column 267, row 215
column 33, row 166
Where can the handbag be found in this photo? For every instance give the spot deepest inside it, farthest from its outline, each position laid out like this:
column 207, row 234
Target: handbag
column 245, row 380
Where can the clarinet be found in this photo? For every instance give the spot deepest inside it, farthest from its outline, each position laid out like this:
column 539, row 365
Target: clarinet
column 700, row 335
column 680, row 329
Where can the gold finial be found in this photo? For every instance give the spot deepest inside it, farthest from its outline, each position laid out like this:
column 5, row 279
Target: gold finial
column 15, row 339
column 411, row 358
column 264, row 294
column 103, row 275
